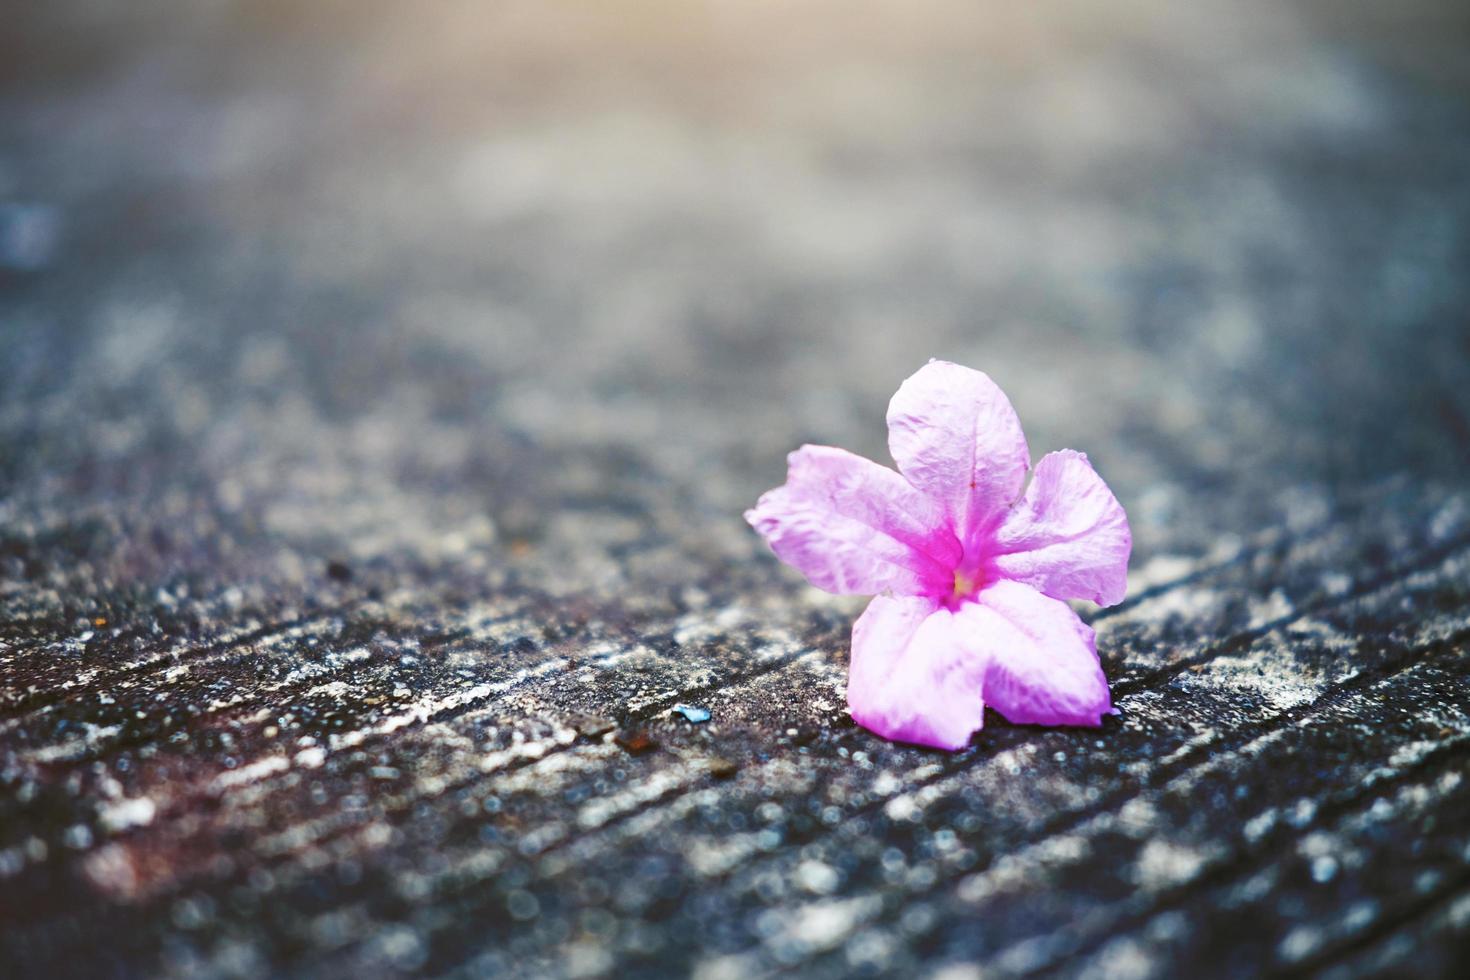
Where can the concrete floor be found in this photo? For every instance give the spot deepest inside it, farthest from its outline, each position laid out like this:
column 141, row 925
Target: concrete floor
column 381, row 386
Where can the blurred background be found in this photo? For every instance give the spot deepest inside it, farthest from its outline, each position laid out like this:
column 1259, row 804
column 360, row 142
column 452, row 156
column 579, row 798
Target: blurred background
column 429, row 259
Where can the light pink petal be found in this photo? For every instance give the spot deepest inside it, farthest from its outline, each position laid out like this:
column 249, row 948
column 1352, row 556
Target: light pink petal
column 1068, row 536
column 1041, row 665
column 955, row 436
column 852, row 526
column 874, row 494
column 911, row 678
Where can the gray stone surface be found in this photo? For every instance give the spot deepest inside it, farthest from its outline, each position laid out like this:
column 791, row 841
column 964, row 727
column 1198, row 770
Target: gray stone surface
column 381, row 385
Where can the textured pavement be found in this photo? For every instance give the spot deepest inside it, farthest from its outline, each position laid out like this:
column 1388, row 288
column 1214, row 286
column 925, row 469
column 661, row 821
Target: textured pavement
column 381, row 386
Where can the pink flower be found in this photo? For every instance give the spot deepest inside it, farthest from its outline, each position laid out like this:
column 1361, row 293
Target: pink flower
column 970, row 575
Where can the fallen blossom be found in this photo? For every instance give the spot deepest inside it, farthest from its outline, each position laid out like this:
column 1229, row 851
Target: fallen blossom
column 969, row 565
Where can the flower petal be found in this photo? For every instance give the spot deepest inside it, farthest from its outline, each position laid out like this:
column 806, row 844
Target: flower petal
column 954, row 435
column 1068, row 536
column 911, row 677
column 1041, row 660
column 852, row 526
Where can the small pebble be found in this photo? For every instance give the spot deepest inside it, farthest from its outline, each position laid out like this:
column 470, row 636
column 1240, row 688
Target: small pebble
column 635, row 742
column 692, row 713
column 722, row 768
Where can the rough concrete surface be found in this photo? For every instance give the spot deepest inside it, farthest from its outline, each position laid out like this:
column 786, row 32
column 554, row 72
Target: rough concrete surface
column 381, row 386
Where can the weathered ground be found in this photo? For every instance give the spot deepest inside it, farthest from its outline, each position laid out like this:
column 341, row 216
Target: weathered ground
column 381, row 386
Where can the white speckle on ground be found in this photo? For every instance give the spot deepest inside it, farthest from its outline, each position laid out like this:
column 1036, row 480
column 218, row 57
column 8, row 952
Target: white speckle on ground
column 136, row 812
column 957, row 971
column 1259, row 825
column 311, row 758
column 737, row 966
column 1122, row 959
column 1160, row 569
column 1273, row 608
column 816, row 877
column 1299, row 943
column 1163, row 864
column 249, row 774
column 901, row 808
column 824, row 925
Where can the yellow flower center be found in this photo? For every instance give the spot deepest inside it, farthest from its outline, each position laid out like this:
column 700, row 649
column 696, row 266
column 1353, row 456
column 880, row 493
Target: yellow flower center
column 964, row 586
